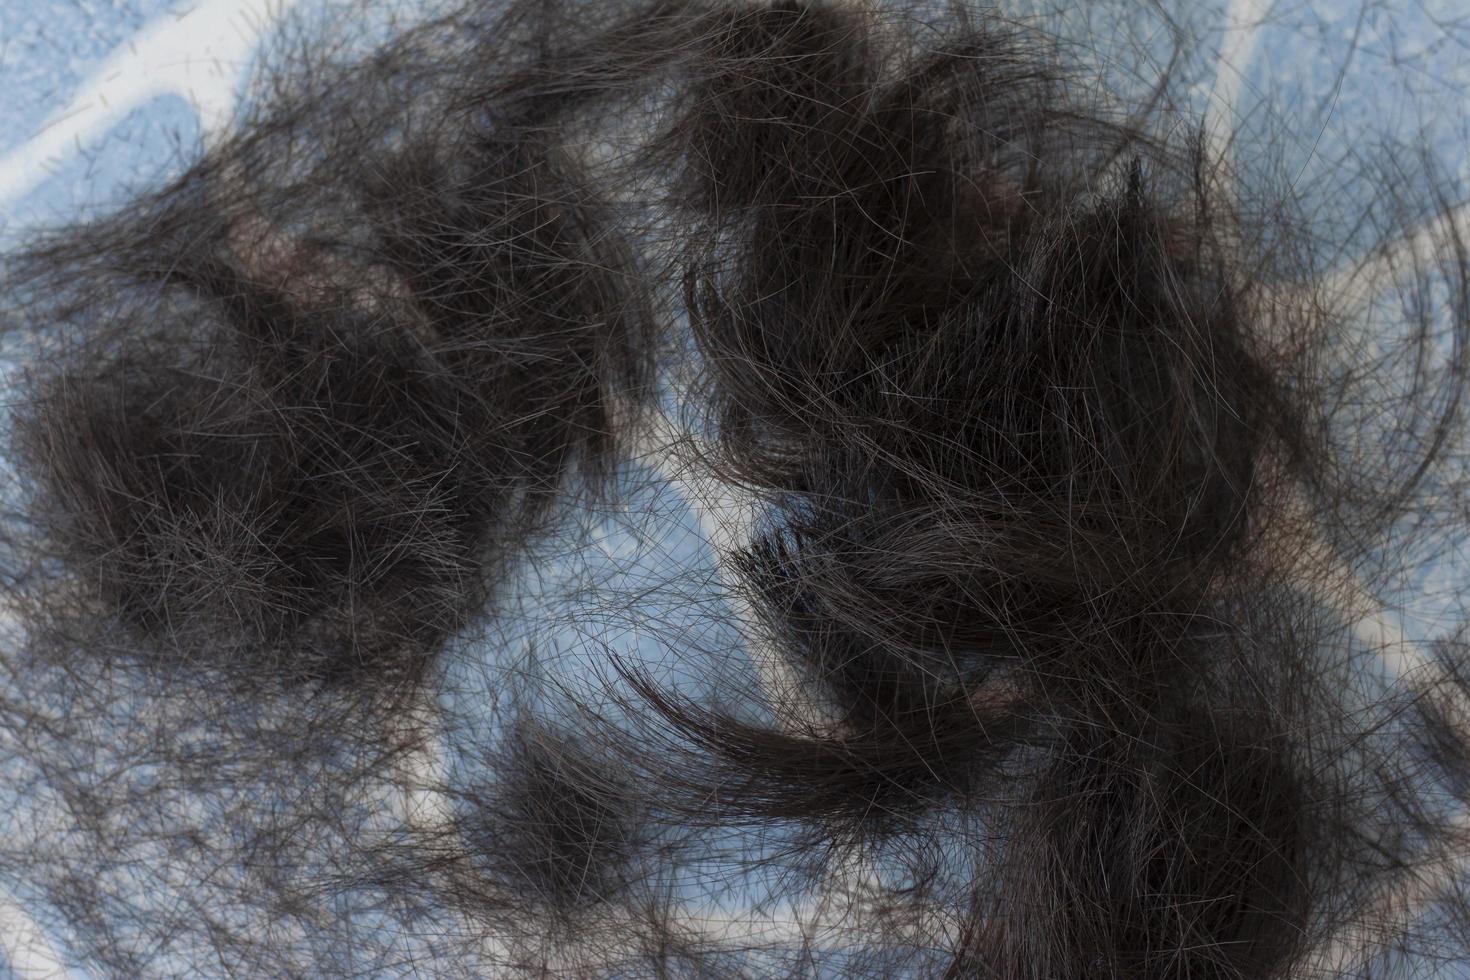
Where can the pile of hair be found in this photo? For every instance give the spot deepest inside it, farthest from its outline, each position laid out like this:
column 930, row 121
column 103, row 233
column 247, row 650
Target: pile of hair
column 297, row 403
column 1054, row 642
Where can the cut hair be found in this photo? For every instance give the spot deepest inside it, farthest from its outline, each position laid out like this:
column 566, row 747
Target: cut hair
column 1061, row 494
